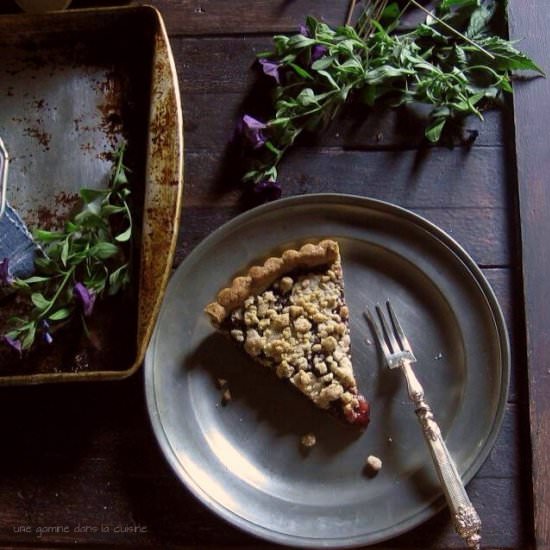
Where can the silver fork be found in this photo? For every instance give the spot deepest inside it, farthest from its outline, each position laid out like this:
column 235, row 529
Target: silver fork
column 398, row 354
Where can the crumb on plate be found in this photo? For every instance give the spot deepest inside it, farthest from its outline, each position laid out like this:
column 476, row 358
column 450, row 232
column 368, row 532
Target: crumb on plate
column 308, row 440
column 373, row 465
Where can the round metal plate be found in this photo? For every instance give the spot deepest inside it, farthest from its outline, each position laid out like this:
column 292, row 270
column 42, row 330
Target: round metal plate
column 244, row 460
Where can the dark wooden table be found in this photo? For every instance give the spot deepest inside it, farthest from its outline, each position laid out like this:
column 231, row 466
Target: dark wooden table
column 79, row 463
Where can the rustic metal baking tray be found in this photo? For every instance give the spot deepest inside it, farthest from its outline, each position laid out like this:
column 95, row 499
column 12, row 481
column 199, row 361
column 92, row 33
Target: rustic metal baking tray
column 74, row 85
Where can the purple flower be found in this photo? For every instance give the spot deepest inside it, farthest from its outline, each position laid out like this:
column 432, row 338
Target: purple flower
column 13, row 343
column 304, row 31
column 46, row 336
column 251, row 129
column 268, row 190
column 85, row 297
column 317, row 52
column 5, row 277
column 271, row 69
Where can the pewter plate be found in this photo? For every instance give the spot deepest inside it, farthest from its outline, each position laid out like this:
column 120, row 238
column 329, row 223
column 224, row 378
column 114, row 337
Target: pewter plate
column 244, row 460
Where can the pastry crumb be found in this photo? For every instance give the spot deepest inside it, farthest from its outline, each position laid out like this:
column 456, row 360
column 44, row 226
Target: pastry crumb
column 373, row 465
column 308, row 440
column 221, row 383
column 226, row 396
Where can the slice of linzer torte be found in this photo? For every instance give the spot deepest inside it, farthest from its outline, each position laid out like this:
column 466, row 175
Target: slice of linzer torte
column 290, row 315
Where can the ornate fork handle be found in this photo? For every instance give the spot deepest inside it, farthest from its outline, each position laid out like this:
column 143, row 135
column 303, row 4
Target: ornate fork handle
column 465, row 518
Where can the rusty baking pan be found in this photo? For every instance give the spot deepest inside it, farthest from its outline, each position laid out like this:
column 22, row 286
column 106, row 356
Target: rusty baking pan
column 73, row 86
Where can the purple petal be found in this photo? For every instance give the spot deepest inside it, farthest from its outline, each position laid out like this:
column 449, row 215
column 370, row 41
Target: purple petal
column 271, row 69
column 85, row 297
column 304, row 31
column 268, row 190
column 251, row 129
column 253, row 123
column 46, row 336
column 5, row 277
column 13, row 343
column 317, row 52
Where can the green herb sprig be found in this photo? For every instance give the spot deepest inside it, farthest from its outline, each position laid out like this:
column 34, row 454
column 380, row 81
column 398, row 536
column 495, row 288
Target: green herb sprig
column 77, row 265
column 451, row 61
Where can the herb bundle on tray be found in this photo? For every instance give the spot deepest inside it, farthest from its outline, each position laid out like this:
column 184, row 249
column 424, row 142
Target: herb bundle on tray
column 452, row 61
column 74, row 267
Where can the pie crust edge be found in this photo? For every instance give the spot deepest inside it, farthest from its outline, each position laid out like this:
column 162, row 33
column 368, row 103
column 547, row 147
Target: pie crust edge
column 260, row 277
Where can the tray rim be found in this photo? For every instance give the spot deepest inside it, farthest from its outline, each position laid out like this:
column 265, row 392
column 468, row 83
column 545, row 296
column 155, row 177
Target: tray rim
column 422, row 515
column 176, row 203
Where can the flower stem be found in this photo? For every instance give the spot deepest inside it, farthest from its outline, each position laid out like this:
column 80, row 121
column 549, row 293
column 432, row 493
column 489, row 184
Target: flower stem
column 351, row 9
column 452, row 29
column 58, row 292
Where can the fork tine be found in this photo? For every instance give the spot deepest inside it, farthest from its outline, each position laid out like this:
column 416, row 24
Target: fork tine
column 378, row 333
column 398, row 329
column 393, row 344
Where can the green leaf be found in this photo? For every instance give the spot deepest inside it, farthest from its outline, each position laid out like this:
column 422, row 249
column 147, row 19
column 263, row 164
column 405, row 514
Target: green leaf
column 120, row 178
column 279, row 121
column 391, row 11
column 40, row 301
column 385, row 72
column 306, row 98
column 281, row 43
column 434, row 129
column 322, row 63
column 300, row 71
column 447, row 4
column 352, row 65
column 60, row 314
column 118, row 279
column 299, row 41
column 104, row 250
column 28, row 339
column 125, row 235
column 65, row 251
column 507, row 56
column 331, row 80
column 47, row 236
column 35, row 279
column 90, row 195
column 480, row 19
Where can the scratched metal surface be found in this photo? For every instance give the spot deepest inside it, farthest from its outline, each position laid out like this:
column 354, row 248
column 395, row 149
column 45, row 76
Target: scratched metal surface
column 73, row 86
column 59, row 119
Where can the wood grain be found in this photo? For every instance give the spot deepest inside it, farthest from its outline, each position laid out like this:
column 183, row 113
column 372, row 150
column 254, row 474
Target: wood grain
column 85, row 454
column 189, row 17
column 210, row 121
column 95, row 440
column 531, row 23
column 412, row 179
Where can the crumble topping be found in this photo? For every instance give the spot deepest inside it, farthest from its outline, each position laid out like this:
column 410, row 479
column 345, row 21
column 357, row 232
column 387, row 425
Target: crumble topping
column 308, row 440
column 289, row 314
column 298, row 327
column 373, row 465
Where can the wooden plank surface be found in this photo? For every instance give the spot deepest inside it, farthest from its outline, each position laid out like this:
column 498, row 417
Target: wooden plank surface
column 85, row 456
column 531, row 23
column 190, row 17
